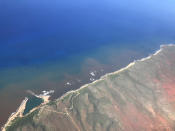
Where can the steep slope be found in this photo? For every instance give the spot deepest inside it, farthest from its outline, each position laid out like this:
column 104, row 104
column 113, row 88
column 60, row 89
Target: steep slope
column 140, row 97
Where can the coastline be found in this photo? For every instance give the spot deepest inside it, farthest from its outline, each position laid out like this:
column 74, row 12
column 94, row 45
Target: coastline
column 18, row 113
column 46, row 97
column 21, row 108
column 118, row 71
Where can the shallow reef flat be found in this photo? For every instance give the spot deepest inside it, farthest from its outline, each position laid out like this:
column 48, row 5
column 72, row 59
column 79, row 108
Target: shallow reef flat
column 139, row 97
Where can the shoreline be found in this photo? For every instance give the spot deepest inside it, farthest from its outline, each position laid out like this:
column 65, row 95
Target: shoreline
column 118, row 71
column 46, row 97
column 18, row 113
column 43, row 96
column 21, row 108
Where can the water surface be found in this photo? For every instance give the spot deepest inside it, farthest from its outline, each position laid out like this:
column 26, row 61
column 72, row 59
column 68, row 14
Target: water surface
column 32, row 102
column 45, row 44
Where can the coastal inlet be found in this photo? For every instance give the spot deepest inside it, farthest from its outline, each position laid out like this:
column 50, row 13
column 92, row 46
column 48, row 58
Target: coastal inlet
column 29, row 104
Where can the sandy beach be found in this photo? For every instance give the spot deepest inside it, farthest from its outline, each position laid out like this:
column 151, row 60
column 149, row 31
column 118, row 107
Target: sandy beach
column 18, row 113
column 20, row 110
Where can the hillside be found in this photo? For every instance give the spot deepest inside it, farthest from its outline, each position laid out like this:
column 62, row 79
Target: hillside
column 139, row 97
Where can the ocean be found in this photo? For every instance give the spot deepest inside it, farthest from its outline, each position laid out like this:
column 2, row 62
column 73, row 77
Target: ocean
column 61, row 45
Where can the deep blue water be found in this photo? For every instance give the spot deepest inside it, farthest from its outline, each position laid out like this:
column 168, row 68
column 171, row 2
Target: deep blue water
column 45, row 43
column 38, row 31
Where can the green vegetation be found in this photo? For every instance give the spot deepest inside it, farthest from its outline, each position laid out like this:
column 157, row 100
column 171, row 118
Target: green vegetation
column 66, row 96
column 20, row 122
column 51, row 103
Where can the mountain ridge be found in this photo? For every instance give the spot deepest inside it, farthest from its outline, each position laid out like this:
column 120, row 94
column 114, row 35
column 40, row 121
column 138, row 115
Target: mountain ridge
column 109, row 103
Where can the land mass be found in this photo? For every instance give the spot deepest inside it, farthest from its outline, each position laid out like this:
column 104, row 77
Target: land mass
column 139, row 97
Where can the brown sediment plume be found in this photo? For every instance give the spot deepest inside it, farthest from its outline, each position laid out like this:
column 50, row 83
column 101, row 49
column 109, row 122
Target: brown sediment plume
column 21, row 108
column 18, row 113
column 137, row 97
